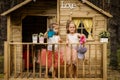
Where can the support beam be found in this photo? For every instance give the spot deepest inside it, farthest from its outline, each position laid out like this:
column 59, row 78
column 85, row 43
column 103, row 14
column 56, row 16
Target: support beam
column 8, row 28
column 104, row 61
column 58, row 11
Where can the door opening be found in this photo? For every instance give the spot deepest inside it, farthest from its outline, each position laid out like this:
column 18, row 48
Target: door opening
column 33, row 25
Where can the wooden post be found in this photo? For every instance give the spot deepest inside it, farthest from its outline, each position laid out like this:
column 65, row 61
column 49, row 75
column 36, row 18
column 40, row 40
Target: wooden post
column 40, row 67
column 15, row 64
column 9, row 58
column 5, row 61
column 53, row 58
column 28, row 60
column 65, row 67
column 58, row 11
column 33, row 62
column 105, row 61
column 8, row 40
column 89, row 61
column 96, row 60
column 46, row 74
column 8, row 28
column 58, row 60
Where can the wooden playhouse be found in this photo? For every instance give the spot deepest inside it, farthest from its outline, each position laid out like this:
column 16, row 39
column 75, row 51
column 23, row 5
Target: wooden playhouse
column 34, row 16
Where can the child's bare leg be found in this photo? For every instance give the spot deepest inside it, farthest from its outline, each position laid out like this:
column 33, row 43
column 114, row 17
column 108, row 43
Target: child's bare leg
column 46, row 72
column 54, row 72
column 70, row 70
column 74, row 70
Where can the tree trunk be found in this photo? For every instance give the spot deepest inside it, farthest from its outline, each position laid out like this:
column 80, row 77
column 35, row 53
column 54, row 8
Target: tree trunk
column 113, row 47
column 114, row 30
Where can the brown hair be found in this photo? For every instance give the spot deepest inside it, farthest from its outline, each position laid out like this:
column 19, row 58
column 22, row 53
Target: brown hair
column 52, row 25
column 68, row 24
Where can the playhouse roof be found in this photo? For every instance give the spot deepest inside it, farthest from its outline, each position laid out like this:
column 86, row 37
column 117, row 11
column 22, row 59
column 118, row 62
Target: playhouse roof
column 27, row 1
column 16, row 7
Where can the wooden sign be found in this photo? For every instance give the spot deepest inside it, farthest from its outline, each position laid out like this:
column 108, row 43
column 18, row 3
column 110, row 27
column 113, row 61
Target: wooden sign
column 67, row 5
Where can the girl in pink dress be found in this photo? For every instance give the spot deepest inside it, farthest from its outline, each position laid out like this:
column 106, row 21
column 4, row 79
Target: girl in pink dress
column 71, row 50
column 49, row 52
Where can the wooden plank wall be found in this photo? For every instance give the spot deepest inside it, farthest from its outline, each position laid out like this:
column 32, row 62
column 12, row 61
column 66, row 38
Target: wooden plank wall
column 16, row 36
column 81, row 11
column 84, row 11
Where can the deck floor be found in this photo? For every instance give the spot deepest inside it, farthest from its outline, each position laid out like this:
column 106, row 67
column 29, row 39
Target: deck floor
column 56, row 79
column 37, row 75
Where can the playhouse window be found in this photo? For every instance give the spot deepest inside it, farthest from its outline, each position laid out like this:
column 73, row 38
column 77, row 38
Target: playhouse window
column 81, row 29
column 85, row 26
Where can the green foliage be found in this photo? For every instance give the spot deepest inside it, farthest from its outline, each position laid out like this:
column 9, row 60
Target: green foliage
column 41, row 34
column 1, row 75
column 104, row 34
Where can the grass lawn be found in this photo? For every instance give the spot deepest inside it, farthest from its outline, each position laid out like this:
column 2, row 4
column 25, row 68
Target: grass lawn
column 1, row 75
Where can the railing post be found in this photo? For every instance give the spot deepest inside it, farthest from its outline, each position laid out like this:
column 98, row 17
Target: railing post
column 53, row 56
column 104, row 61
column 6, row 60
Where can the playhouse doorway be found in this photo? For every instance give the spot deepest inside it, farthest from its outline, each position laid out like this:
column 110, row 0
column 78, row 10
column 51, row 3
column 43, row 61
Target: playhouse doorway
column 33, row 25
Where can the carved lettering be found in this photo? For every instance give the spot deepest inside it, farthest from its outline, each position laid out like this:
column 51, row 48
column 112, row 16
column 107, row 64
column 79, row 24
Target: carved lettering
column 67, row 5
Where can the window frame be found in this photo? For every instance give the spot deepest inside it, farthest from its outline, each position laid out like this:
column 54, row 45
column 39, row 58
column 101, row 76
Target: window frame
column 81, row 28
column 93, row 20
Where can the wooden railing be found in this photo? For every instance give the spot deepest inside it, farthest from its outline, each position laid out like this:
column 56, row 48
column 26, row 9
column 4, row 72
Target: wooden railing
column 17, row 66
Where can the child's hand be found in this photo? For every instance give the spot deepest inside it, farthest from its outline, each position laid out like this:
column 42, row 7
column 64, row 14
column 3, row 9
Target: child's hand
column 45, row 34
column 67, row 43
column 60, row 41
column 82, row 39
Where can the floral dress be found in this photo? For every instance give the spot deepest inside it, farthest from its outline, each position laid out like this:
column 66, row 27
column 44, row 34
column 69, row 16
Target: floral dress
column 47, row 54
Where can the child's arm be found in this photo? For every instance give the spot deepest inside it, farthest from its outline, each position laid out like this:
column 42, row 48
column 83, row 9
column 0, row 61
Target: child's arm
column 67, row 41
column 45, row 34
column 82, row 39
column 80, row 35
column 60, row 40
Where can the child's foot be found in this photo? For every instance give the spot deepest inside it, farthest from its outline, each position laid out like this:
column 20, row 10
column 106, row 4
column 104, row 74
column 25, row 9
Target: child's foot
column 54, row 77
column 51, row 69
column 71, row 76
column 75, row 76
